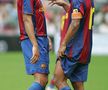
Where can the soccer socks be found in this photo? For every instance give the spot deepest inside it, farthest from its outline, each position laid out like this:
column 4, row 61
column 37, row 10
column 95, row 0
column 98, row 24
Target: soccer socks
column 66, row 88
column 36, row 86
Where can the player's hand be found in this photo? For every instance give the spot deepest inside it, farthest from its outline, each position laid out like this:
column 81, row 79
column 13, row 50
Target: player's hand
column 57, row 2
column 50, row 44
column 36, row 55
column 61, row 50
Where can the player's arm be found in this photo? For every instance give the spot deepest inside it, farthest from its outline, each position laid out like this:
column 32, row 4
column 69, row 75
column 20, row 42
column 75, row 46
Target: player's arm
column 61, row 3
column 30, row 32
column 77, row 15
column 73, row 28
column 29, row 28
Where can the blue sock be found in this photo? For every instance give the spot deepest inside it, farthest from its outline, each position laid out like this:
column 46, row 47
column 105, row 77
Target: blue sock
column 66, row 88
column 36, row 86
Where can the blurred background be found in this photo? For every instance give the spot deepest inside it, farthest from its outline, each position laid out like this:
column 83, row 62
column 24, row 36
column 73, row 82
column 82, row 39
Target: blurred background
column 12, row 71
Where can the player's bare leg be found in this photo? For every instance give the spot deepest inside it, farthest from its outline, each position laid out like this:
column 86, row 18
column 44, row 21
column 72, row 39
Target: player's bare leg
column 59, row 77
column 41, row 78
column 40, row 82
column 78, row 85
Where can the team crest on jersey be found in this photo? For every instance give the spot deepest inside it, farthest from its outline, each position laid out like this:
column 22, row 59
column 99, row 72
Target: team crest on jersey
column 43, row 66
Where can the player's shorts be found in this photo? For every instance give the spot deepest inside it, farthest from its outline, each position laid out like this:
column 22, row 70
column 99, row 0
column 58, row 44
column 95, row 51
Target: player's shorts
column 42, row 65
column 74, row 71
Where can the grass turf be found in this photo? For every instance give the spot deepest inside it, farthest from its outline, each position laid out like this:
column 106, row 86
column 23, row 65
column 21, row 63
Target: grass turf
column 13, row 76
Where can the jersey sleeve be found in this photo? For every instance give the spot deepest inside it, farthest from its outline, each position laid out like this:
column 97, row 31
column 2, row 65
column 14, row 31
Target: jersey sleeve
column 77, row 9
column 28, row 6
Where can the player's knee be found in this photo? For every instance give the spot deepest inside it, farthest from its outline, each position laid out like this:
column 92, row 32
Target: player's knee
column 56, row 80
column 59, row 83
column 78, row 86
column 43, row 81
column 41, row 78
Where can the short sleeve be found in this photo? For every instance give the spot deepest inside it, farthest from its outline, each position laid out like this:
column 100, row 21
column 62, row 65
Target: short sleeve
column 28, row 6
column 77, row 9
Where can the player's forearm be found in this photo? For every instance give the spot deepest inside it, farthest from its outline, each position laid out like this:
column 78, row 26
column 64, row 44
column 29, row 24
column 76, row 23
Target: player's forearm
column 71, row 31
column 29, row 28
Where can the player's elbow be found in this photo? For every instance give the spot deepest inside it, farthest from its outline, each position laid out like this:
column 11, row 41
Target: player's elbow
column 26, row 18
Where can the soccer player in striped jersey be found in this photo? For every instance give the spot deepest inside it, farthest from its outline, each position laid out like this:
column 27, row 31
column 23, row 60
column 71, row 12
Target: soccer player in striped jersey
column 76, row 44
column 34, row 41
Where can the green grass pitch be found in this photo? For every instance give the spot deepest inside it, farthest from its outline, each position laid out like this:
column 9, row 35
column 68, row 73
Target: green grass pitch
column 13, row 76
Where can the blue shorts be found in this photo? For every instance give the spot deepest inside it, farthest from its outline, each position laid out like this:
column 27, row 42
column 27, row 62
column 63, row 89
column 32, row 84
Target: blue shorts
column 74, row 71
column 42, row 65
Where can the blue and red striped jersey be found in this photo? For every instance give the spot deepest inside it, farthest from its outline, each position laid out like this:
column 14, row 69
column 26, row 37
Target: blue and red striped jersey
column 34, row 8
column 80, row 46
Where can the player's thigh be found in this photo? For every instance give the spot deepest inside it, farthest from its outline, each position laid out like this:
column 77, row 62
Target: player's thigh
column 80, row 73
column 27, row 50
column 41, row 78
column 59, row 77
column 59, row 73
column 42, row 65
